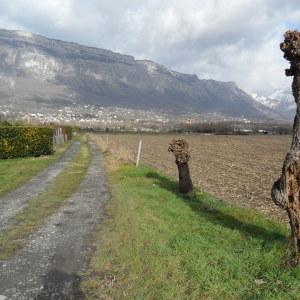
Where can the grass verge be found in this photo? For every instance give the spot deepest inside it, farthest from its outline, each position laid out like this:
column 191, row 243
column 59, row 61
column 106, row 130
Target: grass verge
column 41, row 207
column 157, row 244
column 15, row 172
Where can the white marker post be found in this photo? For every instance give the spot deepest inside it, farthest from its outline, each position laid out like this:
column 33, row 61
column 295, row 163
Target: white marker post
column 139, row 154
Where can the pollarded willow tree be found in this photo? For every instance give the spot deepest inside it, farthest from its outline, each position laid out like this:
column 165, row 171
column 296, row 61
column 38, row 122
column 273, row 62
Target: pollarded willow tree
column 286, row 190
column 180, row 149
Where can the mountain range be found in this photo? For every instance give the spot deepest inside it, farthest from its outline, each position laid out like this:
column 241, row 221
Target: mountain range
column 41, row 74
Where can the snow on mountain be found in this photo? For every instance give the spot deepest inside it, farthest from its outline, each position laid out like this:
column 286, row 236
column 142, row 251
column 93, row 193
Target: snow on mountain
column 280, row 100
column 264, row 100
column 284, row 96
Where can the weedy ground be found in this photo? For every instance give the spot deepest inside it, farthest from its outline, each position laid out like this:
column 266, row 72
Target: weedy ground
column 158, row 244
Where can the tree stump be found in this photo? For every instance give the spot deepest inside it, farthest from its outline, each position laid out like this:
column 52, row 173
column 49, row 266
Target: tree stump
column 286, row 190
column 180, row 149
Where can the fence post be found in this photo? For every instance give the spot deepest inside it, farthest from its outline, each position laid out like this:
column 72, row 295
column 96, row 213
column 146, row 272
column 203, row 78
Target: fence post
column 139, row 154
column 61, row 137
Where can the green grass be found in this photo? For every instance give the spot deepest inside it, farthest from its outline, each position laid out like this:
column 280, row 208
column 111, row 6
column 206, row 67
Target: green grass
column 15, row 172
column 41, row 207
column 157, row 244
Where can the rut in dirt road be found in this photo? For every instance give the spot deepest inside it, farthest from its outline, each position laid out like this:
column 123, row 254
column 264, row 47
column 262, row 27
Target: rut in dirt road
column 15, row 201
column 47, row 268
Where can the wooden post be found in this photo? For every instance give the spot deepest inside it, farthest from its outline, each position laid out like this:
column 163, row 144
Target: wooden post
column 61, row 135
column 139, row 154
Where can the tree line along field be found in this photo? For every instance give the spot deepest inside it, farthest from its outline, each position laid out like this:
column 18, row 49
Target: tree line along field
column 236, row 169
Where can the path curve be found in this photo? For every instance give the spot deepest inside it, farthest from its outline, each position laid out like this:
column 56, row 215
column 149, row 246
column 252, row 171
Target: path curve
column 15, row 201
column 47, row 268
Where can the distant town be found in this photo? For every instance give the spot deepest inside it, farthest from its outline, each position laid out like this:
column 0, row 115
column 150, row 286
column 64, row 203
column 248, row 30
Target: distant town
column 123, row 119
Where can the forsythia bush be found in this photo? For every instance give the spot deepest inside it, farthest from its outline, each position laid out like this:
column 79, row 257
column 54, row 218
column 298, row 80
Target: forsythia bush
column 22, row 141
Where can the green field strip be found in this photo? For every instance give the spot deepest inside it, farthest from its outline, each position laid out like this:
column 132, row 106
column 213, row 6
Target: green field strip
column 158, row 244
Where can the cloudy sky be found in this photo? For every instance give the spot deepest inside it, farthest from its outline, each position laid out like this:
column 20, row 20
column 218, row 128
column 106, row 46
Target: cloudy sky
column 236, row 40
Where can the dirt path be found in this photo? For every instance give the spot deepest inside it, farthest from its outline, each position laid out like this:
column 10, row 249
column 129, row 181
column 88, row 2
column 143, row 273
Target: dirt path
column 15, row 201
column 47, row 268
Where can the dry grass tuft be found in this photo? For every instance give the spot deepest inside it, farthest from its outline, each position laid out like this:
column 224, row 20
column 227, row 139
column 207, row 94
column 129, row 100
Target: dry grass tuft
column 114, row 153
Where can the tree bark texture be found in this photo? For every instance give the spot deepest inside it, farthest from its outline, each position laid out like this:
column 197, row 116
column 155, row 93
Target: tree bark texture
column 180, row 149
column 286, row 190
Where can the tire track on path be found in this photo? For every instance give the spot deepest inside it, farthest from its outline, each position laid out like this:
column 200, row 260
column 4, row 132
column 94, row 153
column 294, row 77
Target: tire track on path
column 16, row 200
column 47, row 268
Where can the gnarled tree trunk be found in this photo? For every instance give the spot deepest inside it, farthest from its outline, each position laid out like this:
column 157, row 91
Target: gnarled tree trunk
column 180, row 149
column 286, row 190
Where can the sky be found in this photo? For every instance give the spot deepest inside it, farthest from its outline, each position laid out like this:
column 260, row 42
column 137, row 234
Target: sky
column 228, row 40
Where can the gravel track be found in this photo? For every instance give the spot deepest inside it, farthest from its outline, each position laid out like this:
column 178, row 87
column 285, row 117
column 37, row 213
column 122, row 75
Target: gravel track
column 47, row 268
column 15, row 201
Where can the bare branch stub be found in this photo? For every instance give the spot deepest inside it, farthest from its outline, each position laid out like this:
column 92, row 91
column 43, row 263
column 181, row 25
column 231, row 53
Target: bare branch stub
column 286, row 190
column 180, row 149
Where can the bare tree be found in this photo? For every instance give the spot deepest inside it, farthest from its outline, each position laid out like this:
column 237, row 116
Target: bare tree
column 180, row 149
column 286, row 190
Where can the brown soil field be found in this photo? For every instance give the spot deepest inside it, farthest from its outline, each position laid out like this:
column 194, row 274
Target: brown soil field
column 238, row 169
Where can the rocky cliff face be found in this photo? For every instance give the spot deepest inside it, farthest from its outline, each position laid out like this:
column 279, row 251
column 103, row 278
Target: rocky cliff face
column 41, row 73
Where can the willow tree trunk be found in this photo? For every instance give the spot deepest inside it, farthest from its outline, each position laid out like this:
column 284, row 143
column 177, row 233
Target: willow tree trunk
column 185, row 182
column 180, row 149
column 286, row 190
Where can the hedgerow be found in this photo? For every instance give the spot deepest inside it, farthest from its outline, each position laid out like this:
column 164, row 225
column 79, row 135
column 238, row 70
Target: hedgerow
column 21, row 141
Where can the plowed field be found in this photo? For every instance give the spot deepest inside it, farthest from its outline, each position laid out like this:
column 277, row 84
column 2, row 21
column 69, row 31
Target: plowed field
column 238, row 169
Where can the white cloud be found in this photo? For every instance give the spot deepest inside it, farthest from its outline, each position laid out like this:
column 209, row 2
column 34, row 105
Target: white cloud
column 235, row 40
